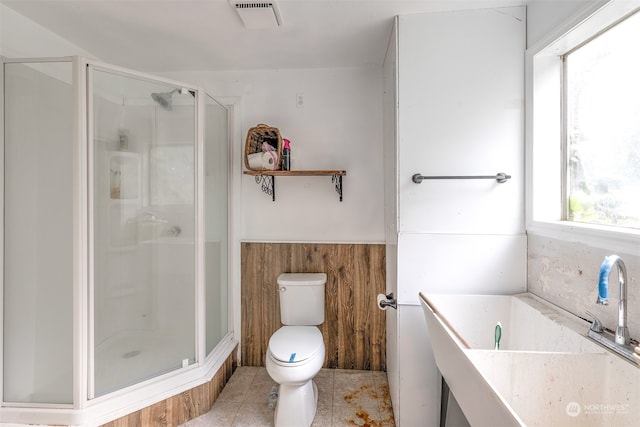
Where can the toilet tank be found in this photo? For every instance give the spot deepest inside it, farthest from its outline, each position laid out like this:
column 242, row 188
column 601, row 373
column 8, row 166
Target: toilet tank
column 301, row 298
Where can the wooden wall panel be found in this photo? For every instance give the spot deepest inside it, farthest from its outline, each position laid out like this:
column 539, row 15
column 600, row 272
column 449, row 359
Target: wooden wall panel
column 182, row 407
column 353, row 330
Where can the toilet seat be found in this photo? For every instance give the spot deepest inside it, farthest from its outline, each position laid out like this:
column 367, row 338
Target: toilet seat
column 295, row 344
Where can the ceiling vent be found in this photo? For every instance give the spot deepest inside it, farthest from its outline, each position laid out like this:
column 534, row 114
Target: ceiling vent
column 258, row 15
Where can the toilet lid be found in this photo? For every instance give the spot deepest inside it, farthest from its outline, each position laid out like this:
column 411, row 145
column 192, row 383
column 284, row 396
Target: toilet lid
column 295, row 343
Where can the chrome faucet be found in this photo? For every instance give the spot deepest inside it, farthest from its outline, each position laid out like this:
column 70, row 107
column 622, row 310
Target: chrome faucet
column 619, row 342
column 622, row 332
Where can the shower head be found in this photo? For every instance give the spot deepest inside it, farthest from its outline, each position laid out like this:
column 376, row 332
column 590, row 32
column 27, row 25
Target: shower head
column 164, row 99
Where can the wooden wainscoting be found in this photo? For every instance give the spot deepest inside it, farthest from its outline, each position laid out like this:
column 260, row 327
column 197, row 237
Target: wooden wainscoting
column 353, row 330
column 182, row 407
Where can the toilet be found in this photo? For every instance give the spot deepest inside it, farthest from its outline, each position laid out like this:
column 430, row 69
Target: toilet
column 296, row 350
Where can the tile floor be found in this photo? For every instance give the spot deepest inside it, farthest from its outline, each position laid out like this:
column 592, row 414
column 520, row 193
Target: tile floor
column 346, row 398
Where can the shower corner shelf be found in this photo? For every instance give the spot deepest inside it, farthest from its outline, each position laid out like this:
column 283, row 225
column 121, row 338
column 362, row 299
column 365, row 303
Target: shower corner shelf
column 266, row 178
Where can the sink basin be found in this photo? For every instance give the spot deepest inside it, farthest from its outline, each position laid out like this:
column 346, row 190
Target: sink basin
column 546, row 371
column 528, row 324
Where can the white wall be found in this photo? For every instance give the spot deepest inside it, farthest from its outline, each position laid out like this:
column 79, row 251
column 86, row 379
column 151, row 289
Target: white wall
column 339, row 127
column 460, row 112
column 21, row 37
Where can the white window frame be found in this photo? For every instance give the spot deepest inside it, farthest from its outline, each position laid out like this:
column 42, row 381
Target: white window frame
column 546, row 167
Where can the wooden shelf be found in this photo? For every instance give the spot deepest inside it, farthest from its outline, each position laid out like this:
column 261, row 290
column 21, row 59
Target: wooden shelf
column 266, row 178
column 297, row 172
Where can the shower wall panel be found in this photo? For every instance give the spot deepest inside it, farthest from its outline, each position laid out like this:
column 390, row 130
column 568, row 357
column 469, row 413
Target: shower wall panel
column 38, row 227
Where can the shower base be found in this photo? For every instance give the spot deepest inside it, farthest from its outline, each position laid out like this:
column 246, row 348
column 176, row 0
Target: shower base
column 131, row 357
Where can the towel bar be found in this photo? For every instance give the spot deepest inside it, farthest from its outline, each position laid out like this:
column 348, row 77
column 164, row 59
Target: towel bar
column 499, row 177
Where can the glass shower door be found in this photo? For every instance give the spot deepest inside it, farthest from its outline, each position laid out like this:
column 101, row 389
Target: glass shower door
column 143, row 139
column 216, row 161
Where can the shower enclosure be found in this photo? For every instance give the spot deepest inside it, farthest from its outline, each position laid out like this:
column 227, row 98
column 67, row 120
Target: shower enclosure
column 115, row 238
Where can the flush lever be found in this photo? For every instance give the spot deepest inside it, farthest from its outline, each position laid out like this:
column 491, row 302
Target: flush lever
column 596, row 326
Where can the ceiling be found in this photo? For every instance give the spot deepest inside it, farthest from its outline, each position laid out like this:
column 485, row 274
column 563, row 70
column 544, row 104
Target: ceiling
column 178, row 35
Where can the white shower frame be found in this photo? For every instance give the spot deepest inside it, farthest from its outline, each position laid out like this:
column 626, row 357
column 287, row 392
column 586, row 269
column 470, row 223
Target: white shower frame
column 87, row 410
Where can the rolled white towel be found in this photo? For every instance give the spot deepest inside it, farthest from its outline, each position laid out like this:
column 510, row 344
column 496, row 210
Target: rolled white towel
column 636, row 354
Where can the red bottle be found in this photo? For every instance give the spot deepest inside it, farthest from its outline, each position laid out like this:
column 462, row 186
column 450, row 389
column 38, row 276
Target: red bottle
column 286, row 155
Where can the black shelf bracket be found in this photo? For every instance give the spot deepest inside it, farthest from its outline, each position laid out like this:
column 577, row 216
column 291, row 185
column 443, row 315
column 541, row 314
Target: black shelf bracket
column 268, row 184
column 337, row 180
column 267, row 180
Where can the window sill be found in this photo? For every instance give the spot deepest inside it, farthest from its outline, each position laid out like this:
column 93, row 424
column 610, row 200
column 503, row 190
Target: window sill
column 599, row 236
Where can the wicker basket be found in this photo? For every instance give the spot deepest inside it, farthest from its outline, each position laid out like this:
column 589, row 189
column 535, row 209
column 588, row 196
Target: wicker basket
column 256, row 137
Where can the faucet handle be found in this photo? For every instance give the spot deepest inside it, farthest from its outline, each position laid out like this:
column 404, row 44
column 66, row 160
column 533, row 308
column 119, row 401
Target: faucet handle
column 596, row 326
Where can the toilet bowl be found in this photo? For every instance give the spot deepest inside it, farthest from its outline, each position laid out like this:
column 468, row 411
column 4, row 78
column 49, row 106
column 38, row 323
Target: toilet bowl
column 296, row 351
column 295, row 356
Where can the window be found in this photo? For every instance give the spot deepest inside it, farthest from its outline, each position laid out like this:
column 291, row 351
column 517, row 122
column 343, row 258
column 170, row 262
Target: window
column 602, row 127
column 583, row 129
